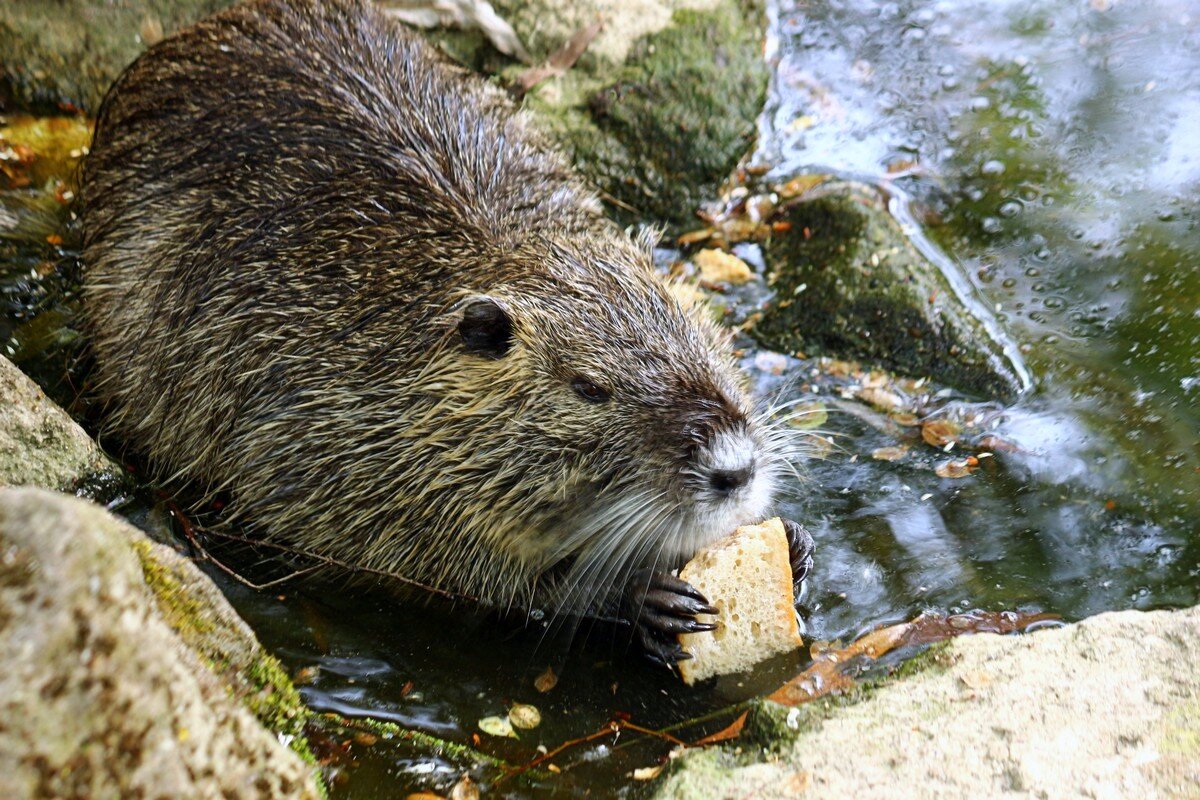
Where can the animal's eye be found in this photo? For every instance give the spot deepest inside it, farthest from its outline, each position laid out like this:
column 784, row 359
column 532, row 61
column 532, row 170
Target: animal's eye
column 589, row 391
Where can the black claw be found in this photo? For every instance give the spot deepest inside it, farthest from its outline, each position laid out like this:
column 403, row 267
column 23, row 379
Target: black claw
column 800, row 550
column 676, row 604
column 663, row 606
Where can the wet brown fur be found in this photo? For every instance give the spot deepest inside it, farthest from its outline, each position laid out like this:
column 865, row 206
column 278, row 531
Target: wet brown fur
column 286, row 208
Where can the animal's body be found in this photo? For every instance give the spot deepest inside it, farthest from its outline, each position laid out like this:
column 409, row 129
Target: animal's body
column 346, row 283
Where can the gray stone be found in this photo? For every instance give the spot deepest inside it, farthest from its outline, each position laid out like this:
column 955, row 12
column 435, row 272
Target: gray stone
column 1106, row 708
column 656, row 113
column 851, row 283
column 39, row 444
column 116, row 677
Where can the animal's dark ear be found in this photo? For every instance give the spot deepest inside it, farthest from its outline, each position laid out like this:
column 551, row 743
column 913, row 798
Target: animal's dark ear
column 485, row 328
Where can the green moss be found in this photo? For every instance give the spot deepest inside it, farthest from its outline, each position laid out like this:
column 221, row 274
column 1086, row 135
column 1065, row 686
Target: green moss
column 772, row 726
column 849, row 283
column 65, row 54
column 182, row 610
column 661, row 136
column 694, row 776
column 253, row 677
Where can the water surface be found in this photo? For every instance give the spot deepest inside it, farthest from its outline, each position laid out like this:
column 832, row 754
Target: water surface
column 1052, row 152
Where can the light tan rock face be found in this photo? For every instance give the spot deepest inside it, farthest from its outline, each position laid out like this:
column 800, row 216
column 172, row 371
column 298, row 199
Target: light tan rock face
column 39, row 444
column 101, row 695
column 1107, row 708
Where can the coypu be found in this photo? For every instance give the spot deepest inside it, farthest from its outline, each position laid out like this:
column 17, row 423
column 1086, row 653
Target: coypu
column 344, row 282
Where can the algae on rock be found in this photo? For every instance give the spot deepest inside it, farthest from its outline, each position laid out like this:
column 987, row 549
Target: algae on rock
column 104, row 695
column 661, row 133
column 65, row 54
column 850, row 283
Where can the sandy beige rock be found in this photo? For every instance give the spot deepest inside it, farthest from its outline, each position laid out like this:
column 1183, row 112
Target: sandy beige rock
column 1106, row 708
column 748, row 577
column 100, row 696
column 39, row 444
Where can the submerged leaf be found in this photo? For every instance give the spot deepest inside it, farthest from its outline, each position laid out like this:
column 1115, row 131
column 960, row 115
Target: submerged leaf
column 465, row 789
column 957, row 468
column 497, row 726
column 731, row 731
column 889, row 453
column 524, row 716
column 940, row 432
column 546, row 681
column 647, row 773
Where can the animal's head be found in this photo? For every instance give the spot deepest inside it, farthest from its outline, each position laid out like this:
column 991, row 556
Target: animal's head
column 622, row 432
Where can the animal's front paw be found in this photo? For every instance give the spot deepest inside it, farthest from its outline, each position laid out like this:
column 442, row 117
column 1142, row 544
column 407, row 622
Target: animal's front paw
column 800, row 552
column 662, row 606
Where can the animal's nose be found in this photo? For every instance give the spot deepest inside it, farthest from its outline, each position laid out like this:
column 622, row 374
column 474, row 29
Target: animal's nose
column 727, row 481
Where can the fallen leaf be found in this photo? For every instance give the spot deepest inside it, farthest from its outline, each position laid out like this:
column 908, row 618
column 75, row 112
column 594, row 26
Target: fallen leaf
column 524, row 716
column 889, row 453
column 465, row 789
column 717, row 266
column 801, row 184
column 647, row 773
column 546, row 681
column 497, row 726
column 424, row 796
column 732, row 731
column 694, row 237
column 828, row 672
column 940, row 432
column 956, row 468
column 562, row 59
column 882, row 399
column 807, row 416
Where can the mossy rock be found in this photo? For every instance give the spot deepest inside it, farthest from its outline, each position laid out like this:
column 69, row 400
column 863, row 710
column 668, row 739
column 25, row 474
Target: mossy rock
column 63, row 55
column 670, row 125
column 128, row 673
column 657, row 112
column 850, row 283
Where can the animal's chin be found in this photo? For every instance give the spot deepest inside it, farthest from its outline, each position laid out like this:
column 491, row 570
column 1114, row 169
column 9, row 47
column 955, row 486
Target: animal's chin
column 712, row 521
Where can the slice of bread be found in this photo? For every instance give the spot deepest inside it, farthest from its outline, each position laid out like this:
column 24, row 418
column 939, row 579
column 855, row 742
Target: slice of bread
column 748, row 578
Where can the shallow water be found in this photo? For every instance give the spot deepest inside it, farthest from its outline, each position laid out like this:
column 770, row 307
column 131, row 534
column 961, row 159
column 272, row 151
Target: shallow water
column 1053, row 151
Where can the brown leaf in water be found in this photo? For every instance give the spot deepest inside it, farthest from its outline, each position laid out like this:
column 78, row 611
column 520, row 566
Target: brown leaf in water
column 827, row 674
column 647, row 773
column 800, row 185
column 465, row 789
column 524, row 716
column 423, row 796
column 881, row 398
column 546, row 681
column 562, row 59
column 940, row 432
column 731, row 731
column 693, row 237
column 957, row 468
column 996, row 444
column 718, row 267
column 889, row 453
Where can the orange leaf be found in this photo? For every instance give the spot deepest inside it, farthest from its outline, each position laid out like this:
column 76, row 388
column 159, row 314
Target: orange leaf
column 732, row 731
